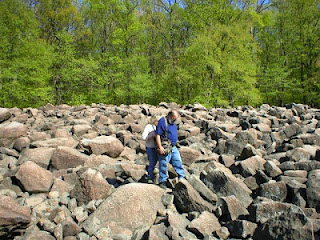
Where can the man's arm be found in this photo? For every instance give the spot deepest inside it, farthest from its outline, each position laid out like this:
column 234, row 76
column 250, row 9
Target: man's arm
column 160, row 148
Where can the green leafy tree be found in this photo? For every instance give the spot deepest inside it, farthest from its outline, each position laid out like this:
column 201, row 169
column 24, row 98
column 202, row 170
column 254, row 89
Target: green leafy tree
column 24, row 58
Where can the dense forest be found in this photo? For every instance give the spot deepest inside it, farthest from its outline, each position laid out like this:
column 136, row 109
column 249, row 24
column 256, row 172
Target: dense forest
column 215, row 52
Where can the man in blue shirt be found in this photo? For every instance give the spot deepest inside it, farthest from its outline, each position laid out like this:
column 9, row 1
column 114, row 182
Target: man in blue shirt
column 173, row 157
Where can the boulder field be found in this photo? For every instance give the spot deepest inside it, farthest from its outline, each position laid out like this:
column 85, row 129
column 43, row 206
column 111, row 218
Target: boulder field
column 79, row 173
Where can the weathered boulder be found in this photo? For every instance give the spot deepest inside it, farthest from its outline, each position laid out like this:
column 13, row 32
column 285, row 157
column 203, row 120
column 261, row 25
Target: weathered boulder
column 34, row 178
column 248, row 151
column 178, row 227
column 158, row 232
column 21, row 143
column 276, row 191
column 226, row 160
column 133, row 170
column 231, row 208
column 43, row 235
column 124, row 217
column 313, row 189
column 55, row 142
column 298, row 154
column 205, row 225
column 250, row 166
column 225, row 184
column 13, row 130
column 66, row 157
column 272, row 169
column 80, row 130
column 241, row 228
column 204, row 191
column 40, row 156
column 108, row 145
column 281, row 219
column 92, row 186
column 13, row 217
column 296, row 173
column 188, row 155
column 4, row 114
column 187, row 199
column 70, row 228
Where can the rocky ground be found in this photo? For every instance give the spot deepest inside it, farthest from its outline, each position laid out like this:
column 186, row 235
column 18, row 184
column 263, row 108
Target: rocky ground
column 79, row 172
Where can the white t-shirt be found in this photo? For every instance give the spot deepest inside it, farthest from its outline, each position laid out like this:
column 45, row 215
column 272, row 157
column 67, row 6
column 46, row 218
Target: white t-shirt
column 149, row 136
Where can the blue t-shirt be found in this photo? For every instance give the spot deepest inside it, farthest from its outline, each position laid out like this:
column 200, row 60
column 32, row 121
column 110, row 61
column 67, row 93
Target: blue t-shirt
column 172, row 131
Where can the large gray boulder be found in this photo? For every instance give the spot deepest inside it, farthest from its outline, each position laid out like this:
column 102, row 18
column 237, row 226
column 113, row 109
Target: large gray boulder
column 13, row 217
column 66, row 157
column 188, row 155
column 223, row 184
column 187, row 199
column 313, row 189
column 131, row 207
column 4, row 114
column 92, row 186
column 231, row 208
column 55, row 142
column 108, row 145
column 34, row 178
column 205, row 225
column 276, row 191
column 12, row 130
column 250, row 166
column 41, row 156
column 281, row 219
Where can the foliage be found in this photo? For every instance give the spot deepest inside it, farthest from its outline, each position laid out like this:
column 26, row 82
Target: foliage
column 219, row 53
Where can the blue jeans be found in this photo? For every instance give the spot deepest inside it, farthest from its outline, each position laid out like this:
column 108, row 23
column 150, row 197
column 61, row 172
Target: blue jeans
column 153, row 159
column 176, row 162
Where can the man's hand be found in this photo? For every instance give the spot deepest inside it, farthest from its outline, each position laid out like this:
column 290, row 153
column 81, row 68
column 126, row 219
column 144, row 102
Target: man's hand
column 161, row 150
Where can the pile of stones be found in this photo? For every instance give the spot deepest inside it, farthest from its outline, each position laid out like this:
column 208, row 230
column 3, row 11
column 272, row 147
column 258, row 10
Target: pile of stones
column 80, row 173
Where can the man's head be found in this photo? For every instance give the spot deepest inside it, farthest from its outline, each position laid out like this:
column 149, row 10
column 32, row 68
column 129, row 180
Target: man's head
column 172, row 116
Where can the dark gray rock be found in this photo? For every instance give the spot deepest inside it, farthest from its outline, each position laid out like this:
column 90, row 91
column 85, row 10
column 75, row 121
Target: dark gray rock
column 313, row 189
column 225, row 184
column 281, row 219
column 231, row 208
column 241, row 228
column 205, row 225
column 187, row 199
column 276, row 191
column 204, row 191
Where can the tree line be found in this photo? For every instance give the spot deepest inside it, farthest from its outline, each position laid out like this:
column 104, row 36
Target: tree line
column 216, row 52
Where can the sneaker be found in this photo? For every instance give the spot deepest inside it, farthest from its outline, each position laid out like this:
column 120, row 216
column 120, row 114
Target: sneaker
column 163, row 185
column 150, row 181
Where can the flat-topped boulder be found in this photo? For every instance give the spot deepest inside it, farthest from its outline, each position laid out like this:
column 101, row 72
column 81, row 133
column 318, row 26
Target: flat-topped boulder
column 108, row 145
